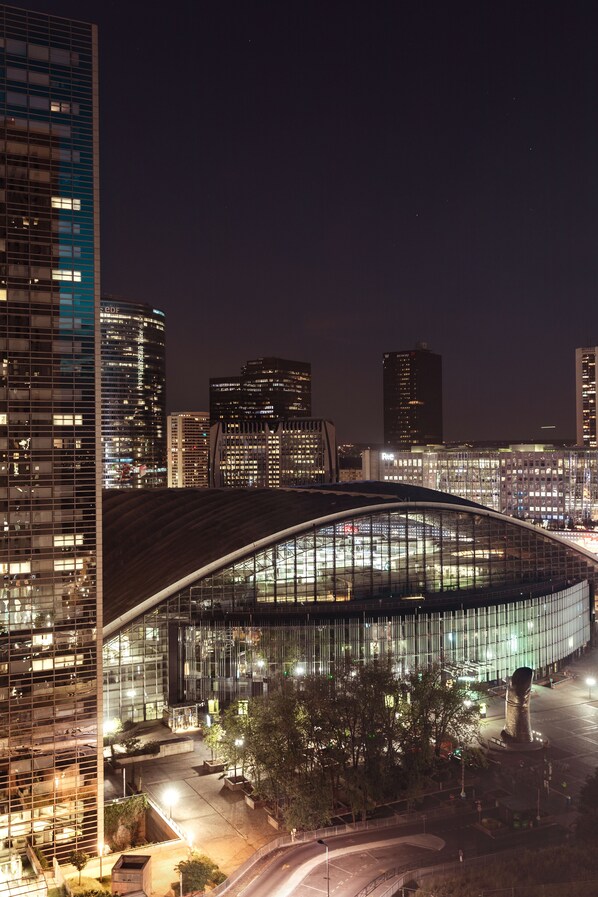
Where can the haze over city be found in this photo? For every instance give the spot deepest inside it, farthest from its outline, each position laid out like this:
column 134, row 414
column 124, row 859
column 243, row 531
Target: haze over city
column 331, row 181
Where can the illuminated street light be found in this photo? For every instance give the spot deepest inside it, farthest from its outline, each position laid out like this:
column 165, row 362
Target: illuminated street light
column 590, row 682
column 325, row 846
column 171, row 798
column 239, row 742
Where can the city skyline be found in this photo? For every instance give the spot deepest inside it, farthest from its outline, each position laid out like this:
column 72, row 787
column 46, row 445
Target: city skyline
column 345, row 181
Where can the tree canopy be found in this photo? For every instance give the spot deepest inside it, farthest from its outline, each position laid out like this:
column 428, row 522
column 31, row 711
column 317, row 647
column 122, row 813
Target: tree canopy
column 355, row 739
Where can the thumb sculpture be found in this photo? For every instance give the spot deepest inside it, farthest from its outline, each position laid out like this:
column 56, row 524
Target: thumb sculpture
column 518, row 728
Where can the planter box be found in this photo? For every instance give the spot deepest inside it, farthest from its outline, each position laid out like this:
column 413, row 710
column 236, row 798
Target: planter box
column 275, row 823
column 235, row 783
column 254, row 803
column 167, row 749
column 213, row 765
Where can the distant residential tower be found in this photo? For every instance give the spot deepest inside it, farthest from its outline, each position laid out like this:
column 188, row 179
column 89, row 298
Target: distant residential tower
column 188, row 449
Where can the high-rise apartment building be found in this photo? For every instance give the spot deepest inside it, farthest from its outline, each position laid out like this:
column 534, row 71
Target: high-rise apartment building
column 133, row 395
column 412, row 397
column 585, row 396
column 272, row 454
column 268, row 389
column 188, row 439
column 50, row 608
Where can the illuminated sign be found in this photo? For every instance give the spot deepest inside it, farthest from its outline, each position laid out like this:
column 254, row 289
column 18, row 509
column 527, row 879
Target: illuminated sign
column 387, row 456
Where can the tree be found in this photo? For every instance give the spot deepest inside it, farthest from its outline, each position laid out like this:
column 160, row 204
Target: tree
column 587, row 821
column 438, row 711
column 198, row 871
column 213, row 738
column 79, row 859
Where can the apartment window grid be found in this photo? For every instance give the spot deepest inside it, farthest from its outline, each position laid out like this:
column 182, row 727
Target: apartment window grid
column 49, row 771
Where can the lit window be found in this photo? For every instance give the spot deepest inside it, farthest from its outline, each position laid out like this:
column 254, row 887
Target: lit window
column 66, row 274
column 68, row 420
column 58, row 106
column 66, row 202
column 68, row 541
column 62, row 564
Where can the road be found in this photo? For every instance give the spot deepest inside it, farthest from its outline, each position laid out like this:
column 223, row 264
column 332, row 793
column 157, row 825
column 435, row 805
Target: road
column 353, row 861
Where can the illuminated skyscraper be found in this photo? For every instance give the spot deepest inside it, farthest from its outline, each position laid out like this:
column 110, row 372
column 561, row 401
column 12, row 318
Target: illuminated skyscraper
column 50, row 607
column 585, row 396
column 188, row 449
column 412, row 397
column 225, row 398
column 273, row 454
column 133, row 395
column 268, row 389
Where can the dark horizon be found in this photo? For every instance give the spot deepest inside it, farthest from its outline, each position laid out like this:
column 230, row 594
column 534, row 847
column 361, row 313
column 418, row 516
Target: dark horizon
column 331, row 182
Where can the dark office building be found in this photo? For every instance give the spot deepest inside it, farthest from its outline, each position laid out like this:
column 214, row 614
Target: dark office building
column 268, row 389
column 412, row 397
column 225, row 398
column 133, row 395
column 50, row 609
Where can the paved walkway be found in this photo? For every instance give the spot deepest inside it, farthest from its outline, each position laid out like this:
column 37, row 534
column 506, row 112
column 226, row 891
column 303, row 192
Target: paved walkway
column 215, row 821
column 219, row 823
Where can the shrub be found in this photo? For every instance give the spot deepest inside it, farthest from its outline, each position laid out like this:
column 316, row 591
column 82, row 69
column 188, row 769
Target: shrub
column 89, row 887
column 199, row 871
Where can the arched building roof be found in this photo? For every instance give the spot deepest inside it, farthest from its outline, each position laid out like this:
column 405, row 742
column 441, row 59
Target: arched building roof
column 156, row 540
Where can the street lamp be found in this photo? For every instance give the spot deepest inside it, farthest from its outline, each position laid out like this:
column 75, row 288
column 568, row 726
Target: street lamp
column 239, row 742
column 590, row 682
column 325, row 846
column 101, row 850
column 171, row 797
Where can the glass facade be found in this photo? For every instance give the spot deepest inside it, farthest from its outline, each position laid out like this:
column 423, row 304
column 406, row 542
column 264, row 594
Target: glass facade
column 268, row 389
column 50, row 777
column 473, row 591
column 412, row 392
column 133, row 395
column 188, row 440
column 272, row 454
column 540, row 483
column 586, row 394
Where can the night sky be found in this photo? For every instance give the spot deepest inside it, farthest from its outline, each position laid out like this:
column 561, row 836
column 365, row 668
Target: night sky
column 328, row 181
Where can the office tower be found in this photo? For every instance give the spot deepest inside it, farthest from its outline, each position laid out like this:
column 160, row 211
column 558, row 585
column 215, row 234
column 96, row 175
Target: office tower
column 50, row 606
column 585, row 396
column 225, row 398
column 275, row 388
column 552, row 485
column 273, row 454
column 412, row 397
column 188, row 439
column 268, row 388
column 133, row 395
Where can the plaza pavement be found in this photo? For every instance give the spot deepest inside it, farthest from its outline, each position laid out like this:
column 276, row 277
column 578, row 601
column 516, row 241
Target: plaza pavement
column 219, row 823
